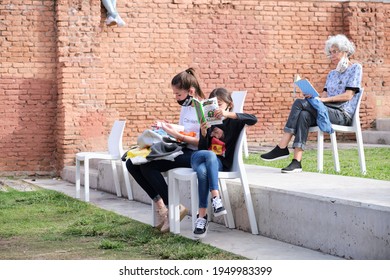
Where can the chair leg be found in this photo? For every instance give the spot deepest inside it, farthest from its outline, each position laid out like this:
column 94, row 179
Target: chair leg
column 154, row 216
column 245, row 146
column 249, row 204
column 77, row 178
column 116, row 179
column 173, row 207
column 86, row 179
column 127, row 181
column 229, row 220
column 194, row 201
column 362, row 159
column 335, row 152
column 320, row 151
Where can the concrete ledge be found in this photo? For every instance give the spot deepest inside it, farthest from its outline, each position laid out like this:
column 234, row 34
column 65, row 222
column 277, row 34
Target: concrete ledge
column 376, row 137
column 383, row 124
column 343, row 216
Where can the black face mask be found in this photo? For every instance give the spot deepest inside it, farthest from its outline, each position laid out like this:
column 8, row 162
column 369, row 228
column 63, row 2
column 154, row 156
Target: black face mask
column 186, row 101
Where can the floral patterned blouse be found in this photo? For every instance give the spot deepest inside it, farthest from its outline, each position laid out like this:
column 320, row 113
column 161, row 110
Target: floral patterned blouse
column 337, row 83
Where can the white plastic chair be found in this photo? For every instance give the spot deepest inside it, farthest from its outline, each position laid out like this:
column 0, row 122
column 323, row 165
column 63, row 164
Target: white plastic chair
column 354, row 128
column 239, row 100
column 115, row 151
column 187, row 174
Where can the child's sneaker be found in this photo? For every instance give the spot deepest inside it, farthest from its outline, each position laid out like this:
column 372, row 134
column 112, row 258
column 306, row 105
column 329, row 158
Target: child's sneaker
column 218, row 206
column 201, row 226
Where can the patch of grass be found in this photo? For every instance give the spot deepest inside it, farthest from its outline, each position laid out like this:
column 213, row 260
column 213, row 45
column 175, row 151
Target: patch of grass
column 377, row 162
column 46, row 224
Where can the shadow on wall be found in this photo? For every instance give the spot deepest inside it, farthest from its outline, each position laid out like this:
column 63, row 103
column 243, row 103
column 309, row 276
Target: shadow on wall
column 28, row 127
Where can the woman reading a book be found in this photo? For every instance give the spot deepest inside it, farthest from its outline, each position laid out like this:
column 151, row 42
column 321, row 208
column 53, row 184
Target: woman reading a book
column 340, row 96
column 185, row 86
column 215, row 153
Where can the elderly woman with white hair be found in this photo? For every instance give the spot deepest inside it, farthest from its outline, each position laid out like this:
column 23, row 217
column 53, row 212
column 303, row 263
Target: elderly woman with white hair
column 340, row 96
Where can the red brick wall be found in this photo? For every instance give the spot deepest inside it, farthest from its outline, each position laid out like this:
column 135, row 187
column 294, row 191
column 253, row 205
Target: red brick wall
column 65, row 76
column 28, row 87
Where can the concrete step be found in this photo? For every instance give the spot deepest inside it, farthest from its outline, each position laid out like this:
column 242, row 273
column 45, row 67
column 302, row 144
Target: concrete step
column 376, row 137
column 348, row 217
column 383, row 124
column 100, row 178
column 69, row 174
column 255, row 247
column 380, row 134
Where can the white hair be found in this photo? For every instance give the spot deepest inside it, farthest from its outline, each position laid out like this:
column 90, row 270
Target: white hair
column 341, row 42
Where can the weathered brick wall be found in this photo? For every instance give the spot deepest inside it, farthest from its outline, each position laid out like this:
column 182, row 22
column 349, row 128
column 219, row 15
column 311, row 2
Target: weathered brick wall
column 65, row 76
column 28, row 87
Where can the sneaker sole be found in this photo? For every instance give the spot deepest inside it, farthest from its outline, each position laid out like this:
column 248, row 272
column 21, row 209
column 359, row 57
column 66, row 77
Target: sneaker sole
column 224, row 212
column 297, row 170
column 278, row 158
column 200, row 236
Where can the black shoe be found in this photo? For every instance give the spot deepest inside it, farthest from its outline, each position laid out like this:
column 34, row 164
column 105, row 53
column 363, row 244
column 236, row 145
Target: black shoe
column 294, row 167
column 201, row 226
column 275, row 154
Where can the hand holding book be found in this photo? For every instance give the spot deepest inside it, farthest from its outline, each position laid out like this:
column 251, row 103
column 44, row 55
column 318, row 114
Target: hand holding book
column 306, row 87
column 206, row 109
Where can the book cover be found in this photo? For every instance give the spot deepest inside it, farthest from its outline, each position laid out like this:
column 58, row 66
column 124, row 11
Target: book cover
column 205, row 110
column 306, row 87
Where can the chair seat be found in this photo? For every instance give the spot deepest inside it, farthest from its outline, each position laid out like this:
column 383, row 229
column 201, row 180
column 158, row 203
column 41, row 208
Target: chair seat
column 115, row 150
column 182, row 173
column 99, row 155
column 228, row 175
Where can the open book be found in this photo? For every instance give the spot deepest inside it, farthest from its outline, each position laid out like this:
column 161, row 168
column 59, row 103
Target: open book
column 205, row 110
column 305, row 86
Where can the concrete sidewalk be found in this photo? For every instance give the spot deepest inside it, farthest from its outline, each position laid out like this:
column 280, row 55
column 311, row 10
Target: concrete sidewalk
column 236, row 241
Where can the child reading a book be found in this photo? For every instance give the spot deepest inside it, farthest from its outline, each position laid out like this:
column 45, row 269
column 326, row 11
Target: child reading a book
column 207, row 163
column 340, row 96
column 185, row 86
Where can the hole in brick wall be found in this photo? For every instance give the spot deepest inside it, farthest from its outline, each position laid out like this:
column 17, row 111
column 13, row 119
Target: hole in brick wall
column 77, row 5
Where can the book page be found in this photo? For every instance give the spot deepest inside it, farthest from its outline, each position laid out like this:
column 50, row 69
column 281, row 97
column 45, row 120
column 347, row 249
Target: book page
column 199, row 110
column 209, row 107
column 306, row 87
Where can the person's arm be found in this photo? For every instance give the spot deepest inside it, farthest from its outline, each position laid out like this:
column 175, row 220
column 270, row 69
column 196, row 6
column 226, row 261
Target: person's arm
column 189, row 139
column 247, row 119
column 346, row 96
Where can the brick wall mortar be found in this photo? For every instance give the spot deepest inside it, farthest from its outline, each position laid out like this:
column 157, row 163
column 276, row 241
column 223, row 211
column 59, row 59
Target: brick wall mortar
column 65, row 76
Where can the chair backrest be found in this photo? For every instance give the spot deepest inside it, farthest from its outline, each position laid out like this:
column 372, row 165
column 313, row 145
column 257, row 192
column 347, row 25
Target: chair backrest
column 115, row 139
column 356, row 116
column 237, row 159
column 239, row 100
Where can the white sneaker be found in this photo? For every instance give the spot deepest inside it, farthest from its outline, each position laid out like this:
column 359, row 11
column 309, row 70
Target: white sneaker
column 110, row 21
column 218, row 208
column 119, row 21
column 201, row 226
